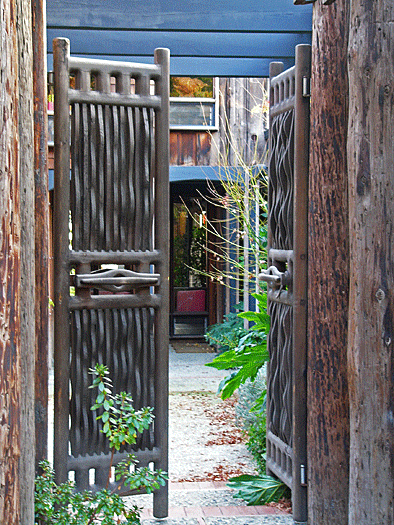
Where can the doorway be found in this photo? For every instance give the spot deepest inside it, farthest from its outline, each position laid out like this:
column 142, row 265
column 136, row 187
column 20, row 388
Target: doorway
column 195, row 299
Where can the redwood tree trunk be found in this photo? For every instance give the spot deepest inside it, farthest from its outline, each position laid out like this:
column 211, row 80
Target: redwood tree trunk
column 328, row 425
column 27, row 276
column 371, row 326
column 16, row 265
column 10, row 341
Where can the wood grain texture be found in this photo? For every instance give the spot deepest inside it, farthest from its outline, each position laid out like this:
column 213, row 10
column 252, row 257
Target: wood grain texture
column 27, row 275
column 371, row 327
column 328, row 432
column 10, row 338
column 41, row 231
column 190, row 148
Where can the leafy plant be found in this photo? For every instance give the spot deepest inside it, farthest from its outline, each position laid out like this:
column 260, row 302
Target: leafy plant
column 249, row 355
column 256, row 443
column 59, row 504
column 246, row 413
column 258, row 490
column 227, row 334
column 251, row 417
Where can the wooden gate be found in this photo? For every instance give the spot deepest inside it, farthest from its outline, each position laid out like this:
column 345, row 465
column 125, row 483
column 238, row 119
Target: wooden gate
column 287, row 276
column 111, row 255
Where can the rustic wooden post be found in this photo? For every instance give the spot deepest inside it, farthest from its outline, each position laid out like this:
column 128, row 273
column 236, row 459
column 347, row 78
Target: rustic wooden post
column 371, row 308
column 27, row 276
column 16, row 265
column 41, row 229
column 10, row 344
column 328, row 419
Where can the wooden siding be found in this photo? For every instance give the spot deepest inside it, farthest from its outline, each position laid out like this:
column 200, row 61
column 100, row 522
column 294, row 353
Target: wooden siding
column 224, row 39
column 190, row 148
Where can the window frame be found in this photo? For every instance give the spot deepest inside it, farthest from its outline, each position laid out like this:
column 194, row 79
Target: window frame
column 214, row 102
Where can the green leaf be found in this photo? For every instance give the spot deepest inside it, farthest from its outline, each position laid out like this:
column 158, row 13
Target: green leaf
column 100, row 398
column 258, row 490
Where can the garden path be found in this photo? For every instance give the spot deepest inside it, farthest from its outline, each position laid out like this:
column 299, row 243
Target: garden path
column 205, row 449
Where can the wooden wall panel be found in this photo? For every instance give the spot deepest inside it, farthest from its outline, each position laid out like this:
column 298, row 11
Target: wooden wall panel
column 232, row 15
column 190, row 148
column 224, row 38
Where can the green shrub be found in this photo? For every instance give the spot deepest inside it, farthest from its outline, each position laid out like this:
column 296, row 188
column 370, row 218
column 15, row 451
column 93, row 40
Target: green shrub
column 247, row 412
column 252, row 419
column 60, row 505
column 256, row 443
column 227, row 334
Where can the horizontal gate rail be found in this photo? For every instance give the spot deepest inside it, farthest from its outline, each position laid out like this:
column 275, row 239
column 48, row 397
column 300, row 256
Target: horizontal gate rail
column 134, row 257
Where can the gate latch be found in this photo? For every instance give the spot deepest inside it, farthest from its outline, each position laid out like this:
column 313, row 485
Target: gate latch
column 116, row 280
column 275, row 278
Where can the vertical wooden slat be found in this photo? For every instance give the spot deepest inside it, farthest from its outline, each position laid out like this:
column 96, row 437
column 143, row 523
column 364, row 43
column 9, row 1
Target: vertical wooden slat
column 61, row 251
column 76, row 190
column 41, row 230
column 300, row 284
column 288, row 237
column 108, row 178
column 94, row 152
column 116, row 174
column 130, row 178
column 162, row 57
column 100, row 178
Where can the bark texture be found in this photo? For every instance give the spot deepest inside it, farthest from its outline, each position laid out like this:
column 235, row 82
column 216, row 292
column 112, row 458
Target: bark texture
column 16, row 265
column 27, row 276
column 328, row 426
column 371, row 326
column 10, row 342
column 41, row 230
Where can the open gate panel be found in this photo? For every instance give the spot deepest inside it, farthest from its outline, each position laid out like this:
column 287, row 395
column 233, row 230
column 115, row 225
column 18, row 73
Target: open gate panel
column 111, row 216
column 286, row 277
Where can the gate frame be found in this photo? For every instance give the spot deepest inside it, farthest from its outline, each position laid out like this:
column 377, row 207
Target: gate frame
column 296, row 479
column 63, row 258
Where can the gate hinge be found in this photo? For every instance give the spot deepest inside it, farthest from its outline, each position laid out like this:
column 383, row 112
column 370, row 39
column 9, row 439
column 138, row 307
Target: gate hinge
column 303, row 481
column 306, row 87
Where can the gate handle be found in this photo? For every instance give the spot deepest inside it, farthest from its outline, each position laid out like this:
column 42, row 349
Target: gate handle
column 274, row 277
column 116, row 280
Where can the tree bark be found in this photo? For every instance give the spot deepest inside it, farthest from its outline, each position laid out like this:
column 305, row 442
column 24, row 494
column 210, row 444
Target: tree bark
column 328, row 426
column 27, row 276
column 371, row 323
column 41, row 230
column 16, row 265
column 10, row 342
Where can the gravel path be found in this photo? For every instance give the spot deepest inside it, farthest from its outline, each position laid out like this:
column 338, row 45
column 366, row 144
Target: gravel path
column 204, row 442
